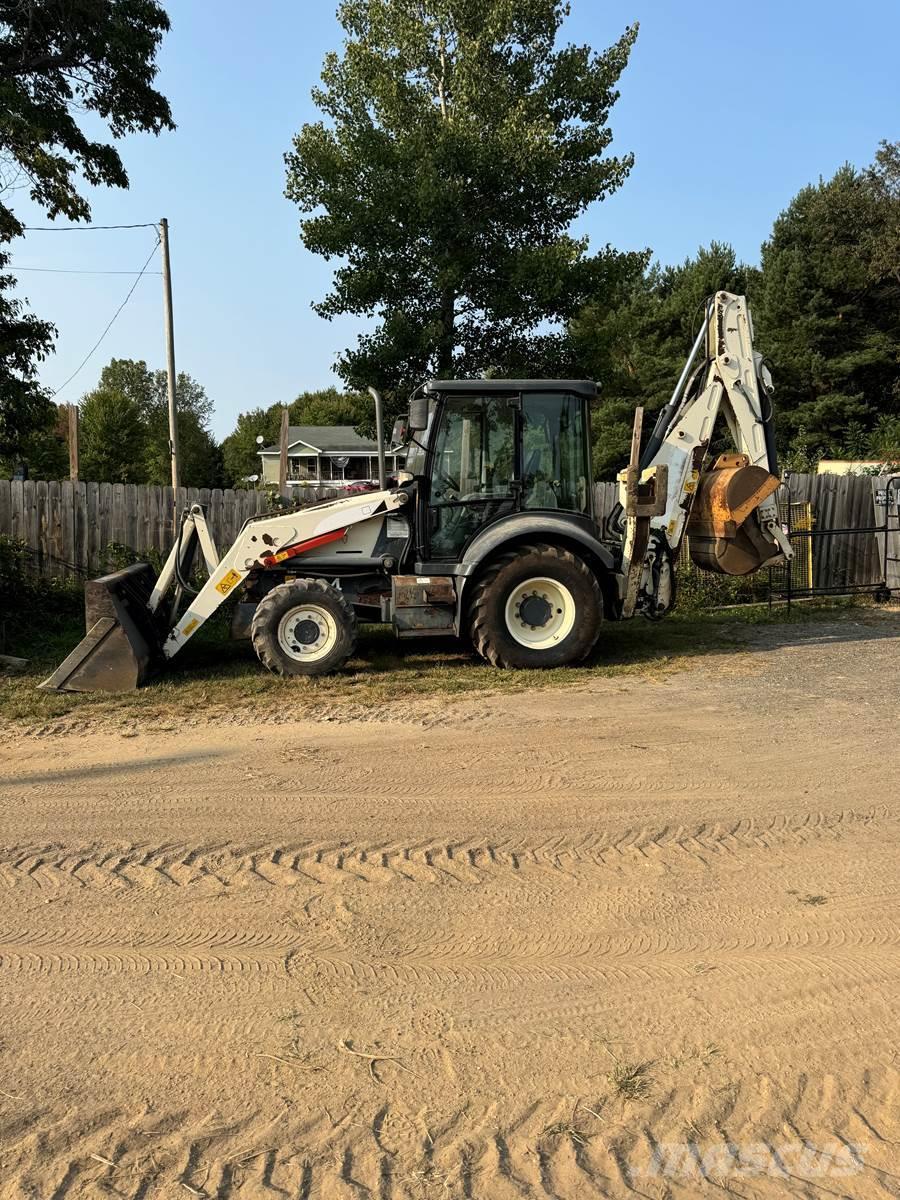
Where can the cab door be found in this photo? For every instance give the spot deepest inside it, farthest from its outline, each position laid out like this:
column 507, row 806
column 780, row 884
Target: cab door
column 475, row 474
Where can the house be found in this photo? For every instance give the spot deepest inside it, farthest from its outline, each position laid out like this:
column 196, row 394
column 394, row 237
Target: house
column 326, row 454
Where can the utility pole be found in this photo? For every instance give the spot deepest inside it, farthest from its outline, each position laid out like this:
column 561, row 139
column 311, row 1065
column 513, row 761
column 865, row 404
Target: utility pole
column 73, row 441
column 283, row 456
column 170, row 359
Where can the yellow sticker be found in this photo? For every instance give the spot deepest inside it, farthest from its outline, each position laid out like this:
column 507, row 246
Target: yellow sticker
column 227, row 582
column 190, row 627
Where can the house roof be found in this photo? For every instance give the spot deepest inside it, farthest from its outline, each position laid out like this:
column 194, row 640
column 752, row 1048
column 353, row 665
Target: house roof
column 327, row 439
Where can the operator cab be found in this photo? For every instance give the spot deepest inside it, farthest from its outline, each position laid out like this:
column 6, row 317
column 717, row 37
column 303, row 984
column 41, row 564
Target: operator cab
column 483, row 449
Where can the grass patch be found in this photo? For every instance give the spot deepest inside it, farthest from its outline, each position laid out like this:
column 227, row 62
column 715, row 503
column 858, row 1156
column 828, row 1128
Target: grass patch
column 631, row 1081
column 214, row 675
column 572, row 1129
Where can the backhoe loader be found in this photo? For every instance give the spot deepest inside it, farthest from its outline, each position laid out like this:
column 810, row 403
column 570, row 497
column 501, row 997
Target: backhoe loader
column 489, row 531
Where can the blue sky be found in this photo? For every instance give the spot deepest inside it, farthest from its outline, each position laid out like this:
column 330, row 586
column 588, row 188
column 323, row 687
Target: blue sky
column 729, row 111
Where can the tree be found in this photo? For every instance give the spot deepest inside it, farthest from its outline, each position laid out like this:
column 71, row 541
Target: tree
column 24, row 342
column 60, row 59
column 830, row 313
column 199, row 456
column 460, row 145
column 112, row 437
column 328, row 406
column 145, row 392
column 636, row 341
column 240, row 451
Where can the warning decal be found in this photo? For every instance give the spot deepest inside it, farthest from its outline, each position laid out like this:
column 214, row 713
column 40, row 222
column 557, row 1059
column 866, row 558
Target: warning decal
column 227, row 582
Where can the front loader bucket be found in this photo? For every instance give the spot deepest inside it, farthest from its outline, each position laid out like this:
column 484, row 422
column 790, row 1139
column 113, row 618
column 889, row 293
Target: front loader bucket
column 121, row 648
column 724, row 531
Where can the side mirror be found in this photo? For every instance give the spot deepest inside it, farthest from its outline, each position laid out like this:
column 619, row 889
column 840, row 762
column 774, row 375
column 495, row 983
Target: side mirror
column 418, row 414
column 399, row 434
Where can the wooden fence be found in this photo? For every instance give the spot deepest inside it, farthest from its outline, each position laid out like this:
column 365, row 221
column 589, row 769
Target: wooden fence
column 70, row 526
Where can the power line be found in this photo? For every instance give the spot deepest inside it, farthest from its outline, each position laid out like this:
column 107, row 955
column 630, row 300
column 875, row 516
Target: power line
column 111, row 323
column 83, row 228
column 66, row 271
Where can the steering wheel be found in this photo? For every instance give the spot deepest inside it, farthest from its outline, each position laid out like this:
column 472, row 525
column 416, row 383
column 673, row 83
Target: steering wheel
column 447, row 484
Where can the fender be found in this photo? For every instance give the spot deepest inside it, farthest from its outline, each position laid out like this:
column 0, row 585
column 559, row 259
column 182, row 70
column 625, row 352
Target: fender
column 527, row 526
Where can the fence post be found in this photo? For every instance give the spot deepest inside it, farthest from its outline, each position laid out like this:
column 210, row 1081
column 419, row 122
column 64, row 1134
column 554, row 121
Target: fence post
column 73, row 441
column 283, row 455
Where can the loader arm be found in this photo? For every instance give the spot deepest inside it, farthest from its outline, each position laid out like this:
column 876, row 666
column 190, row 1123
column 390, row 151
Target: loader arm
column 134, row 622
column 730, row 511
column 269, row 540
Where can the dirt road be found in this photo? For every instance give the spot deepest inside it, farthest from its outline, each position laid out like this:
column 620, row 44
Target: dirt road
column 634, row 938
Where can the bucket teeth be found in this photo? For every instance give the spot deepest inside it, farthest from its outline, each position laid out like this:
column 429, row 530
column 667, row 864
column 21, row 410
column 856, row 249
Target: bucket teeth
column 120, row 648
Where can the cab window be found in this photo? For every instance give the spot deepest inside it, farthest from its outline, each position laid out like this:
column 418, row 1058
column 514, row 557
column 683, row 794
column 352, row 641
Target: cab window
column 473, row 471
column 474, row 455
column 555, row 472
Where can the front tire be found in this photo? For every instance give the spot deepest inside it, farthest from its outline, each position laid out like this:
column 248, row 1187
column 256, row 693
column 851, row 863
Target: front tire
column 305, row 627
column 536, row 606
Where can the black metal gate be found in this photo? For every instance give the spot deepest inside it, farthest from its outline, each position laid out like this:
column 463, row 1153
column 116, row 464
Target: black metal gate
column 853, row 560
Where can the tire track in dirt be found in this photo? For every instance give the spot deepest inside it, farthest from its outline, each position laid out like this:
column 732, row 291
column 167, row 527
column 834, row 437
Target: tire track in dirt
column 797, row 1132
column 467, row 860
column 505, row 970
column 105, row 952
column 872, row 953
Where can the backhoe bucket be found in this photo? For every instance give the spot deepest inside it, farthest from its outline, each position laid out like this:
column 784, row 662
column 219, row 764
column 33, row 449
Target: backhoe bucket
column 723, row 530
column 121, row 648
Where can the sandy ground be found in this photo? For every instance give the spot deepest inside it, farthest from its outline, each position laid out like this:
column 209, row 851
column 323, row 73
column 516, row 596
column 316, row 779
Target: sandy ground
column 633, row 938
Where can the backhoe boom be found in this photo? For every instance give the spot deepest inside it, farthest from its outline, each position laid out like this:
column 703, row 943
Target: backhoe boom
column 729, row 511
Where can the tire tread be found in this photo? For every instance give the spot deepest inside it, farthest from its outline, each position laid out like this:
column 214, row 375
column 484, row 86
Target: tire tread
column 480, row 625
column 263, row 626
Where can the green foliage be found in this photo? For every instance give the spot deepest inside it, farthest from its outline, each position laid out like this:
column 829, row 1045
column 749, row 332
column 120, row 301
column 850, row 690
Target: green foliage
column 43, row 446
column 331, row 407
column 112, row 437
column 26, row 597
column 14, row 578
column 459, row 143
column 25, row 341
column 118, row 556
column 200, row 457
column 240, row 453
column 240, row 456
column 699, row 591
column 828, row 309
column 60, row 59
column 124, row 435
column 884, row 441
column 826, row 304
column 635, row 341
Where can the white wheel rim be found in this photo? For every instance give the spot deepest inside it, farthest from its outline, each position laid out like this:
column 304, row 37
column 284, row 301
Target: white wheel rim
column 299, row 640
column 540, row 594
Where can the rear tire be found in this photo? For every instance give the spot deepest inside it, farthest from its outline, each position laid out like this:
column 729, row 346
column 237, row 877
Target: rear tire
column 536, row 606
column 305, row 627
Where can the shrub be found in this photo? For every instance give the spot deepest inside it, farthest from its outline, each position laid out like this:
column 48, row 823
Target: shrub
column 27, row 598
column 14, row 575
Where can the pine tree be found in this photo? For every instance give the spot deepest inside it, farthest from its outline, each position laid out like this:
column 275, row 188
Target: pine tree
column 636, row 342
column 829, row 317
